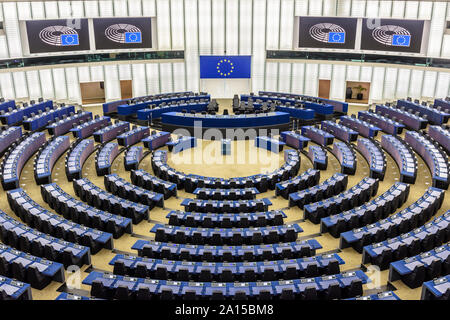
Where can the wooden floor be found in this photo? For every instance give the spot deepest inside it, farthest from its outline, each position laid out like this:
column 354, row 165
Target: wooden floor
column 244, row 160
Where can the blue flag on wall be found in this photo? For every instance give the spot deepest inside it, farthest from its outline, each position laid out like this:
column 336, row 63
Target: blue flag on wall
column 225, row 67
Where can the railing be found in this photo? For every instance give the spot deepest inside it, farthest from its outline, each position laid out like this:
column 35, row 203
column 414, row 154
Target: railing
column 89, row 58
column 359, row 57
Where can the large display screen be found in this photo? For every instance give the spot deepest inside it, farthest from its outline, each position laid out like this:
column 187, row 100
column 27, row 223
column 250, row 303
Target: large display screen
column 57, row 35
column 123, row 33
column 323, row 32
column 392, row 35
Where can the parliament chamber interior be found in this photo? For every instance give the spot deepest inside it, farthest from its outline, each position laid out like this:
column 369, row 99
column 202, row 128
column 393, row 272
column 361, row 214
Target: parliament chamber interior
column 224, row 150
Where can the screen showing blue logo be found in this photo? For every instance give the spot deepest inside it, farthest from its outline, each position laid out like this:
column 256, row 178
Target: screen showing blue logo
column 336, row 37
column 133, row 37
column 401, row 40
column 69, row 40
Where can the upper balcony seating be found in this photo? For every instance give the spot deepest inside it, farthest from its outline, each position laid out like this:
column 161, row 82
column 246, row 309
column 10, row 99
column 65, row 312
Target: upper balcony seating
column 328, row 188
column 47, row 156
column 349, row 199
column 370, row 212
column 77, row 211
column 43, row 220
column 374, row 155
column 77, row 154
column 226, row 220
column 305, row 180
column 17, row 156
column 109, row 133
column 417, row 214
column 124, row 189
column 101, row 199
column 65, row 124
column 403, row 155
column 278, row 251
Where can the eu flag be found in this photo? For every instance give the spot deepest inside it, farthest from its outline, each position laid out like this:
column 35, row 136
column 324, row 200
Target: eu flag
column 336, row 37
column 69, row 40
column 401, row 40
column 133, row 37
column 225, row 67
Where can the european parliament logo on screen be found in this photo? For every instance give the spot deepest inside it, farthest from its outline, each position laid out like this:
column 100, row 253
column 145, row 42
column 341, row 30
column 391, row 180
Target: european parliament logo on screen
column 336, row 37
column 69, row 40
column 133, row 37
column 225, row 67
column 401, row 40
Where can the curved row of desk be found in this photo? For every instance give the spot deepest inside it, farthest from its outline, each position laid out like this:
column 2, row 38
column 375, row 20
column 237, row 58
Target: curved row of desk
column 127, row 265
column 415, row 215
column 14, row 161
column 47, row 157
column 79, row 212
column 226, row 220
column 328, row 188
column 101, row 199
column 376, row 209
column 191, row 182
column 346, row 156
column 45, row 221
column 374, row 155
column 341, row 285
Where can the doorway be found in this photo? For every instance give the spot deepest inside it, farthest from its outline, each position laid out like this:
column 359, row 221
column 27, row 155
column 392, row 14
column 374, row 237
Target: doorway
column 126, row 89
column 92, row 92
column 324, row 89
column 357, row 92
